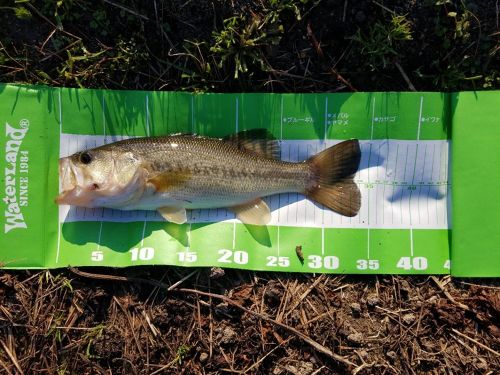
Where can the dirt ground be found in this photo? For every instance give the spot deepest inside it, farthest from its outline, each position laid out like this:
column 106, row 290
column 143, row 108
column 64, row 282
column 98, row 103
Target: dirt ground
column 170, row 320
column 181, row 321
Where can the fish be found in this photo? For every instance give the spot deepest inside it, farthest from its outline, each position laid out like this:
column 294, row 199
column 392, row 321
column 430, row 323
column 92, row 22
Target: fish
column 179, row 172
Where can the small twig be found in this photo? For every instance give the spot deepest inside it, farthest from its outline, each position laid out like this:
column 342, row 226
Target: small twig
column 405, row 77
column 471, row 350
column 344, row 11
column 232, row 370
column 448, row 295
column 168, row 365
column 48, row 38
column 318, row 371
column 301, row 335
column 497, row 8
column 363, row 366
column 321, row 55
column 384, row 7
column 118, row 278
column 153, row 329
column 265, row 356
column 128, row 10
column 176, row 284
column 61, row 50
column 481, row 286
column 476, row 342
column 40, row 14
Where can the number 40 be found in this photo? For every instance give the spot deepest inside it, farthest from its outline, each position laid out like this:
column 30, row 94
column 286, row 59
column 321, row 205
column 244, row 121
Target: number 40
column 408, row 263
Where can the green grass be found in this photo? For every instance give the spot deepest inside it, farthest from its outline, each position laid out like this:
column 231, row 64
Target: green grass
column 384, row 41
column 270, row 45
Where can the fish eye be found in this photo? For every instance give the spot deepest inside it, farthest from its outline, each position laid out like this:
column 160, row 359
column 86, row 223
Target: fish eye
column 85, row 158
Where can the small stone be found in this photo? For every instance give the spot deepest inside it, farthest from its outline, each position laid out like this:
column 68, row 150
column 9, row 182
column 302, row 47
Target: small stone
column 405, row 285
column 433, row 299
column 227, row 336
column 409, row 318
column 305, row 368
column 356, row 338
column 203, row 357
column 391, row 354
column 274, row 292
column 216, row 272
column 372, row 300
column 356, row 308
column 301, row 368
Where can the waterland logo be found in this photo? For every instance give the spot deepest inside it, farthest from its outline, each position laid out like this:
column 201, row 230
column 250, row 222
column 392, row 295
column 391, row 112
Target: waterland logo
column 16, row 176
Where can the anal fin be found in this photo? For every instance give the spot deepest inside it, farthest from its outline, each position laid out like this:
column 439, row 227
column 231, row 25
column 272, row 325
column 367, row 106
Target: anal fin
column 255, row 212
column 175, row 215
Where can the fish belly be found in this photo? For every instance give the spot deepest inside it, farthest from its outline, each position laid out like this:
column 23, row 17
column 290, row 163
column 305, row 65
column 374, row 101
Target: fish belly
column 216, row 189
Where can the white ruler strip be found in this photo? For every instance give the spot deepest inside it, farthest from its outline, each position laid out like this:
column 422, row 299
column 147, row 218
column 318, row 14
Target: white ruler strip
column 405, row 186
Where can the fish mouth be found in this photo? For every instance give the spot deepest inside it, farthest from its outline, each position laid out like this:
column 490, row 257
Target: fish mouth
column 70, row 190
column 73, row 197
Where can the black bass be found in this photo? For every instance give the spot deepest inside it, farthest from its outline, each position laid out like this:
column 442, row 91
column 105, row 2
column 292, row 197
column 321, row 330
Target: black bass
column 177, row 172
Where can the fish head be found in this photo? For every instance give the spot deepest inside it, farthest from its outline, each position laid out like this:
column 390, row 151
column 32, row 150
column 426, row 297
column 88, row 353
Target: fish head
column 101, row 177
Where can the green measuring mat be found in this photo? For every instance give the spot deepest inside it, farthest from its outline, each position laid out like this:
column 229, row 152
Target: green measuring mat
column 403, row 227
column 476, row 178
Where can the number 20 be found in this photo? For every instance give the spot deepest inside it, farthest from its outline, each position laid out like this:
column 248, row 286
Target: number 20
column 228, row 256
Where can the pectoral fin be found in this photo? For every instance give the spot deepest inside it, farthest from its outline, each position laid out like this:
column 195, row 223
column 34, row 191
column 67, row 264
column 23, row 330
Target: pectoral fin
column 175, row 215
column 166, row 181
column 255, row 212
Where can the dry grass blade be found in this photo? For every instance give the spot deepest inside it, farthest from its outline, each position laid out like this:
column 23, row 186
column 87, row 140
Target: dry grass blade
column 476, row 342
column 319, row 51
column 12, row 357
column 304, row 295
column 125, row 9
column 4, row 366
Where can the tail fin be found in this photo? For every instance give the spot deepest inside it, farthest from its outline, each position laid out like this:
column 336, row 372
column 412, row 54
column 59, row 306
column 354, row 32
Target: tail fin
column 334, row 169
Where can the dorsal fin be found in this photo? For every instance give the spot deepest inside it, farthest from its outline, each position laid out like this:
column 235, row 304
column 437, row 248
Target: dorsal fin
column 258, row 141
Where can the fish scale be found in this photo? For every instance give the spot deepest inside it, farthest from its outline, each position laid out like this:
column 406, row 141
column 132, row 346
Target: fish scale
column 218, row 170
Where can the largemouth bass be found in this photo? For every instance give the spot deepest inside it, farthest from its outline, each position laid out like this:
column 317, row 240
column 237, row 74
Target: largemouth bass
column 177, row 172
